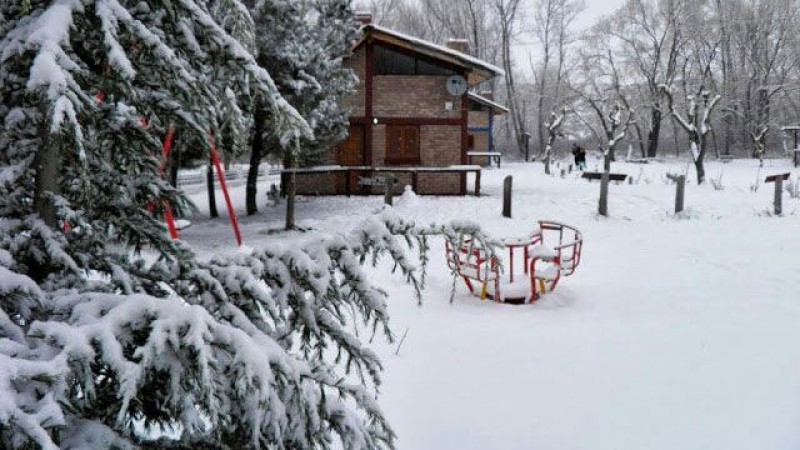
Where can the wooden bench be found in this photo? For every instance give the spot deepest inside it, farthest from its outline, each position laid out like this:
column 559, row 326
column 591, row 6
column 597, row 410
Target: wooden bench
column 619, row 177
column 493, row 156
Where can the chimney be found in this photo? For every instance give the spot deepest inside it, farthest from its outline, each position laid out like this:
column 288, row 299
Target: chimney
column 365, row 17
column 459, row 45
column 488, row 95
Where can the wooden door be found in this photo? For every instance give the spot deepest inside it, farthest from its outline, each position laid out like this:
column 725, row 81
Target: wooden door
column 350, row 152
column 402, row 144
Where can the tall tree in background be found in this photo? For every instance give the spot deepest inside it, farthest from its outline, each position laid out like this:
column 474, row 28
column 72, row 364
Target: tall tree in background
column 302, row 45
column 552, row 22
column 507, row 12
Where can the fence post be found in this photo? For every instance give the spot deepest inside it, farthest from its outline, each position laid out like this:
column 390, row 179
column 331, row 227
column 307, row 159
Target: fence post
column 507, row 196
column 478, row 183
column 602, row 207
column 389, row 187
column 778, row 196
column 680, row 184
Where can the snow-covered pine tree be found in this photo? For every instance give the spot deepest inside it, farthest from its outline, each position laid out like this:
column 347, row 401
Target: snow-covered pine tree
column 303, row 44
column 100, row 347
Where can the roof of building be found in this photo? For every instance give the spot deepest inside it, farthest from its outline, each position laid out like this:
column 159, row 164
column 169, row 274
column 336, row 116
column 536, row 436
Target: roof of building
column 479, row 70
column 496, row 108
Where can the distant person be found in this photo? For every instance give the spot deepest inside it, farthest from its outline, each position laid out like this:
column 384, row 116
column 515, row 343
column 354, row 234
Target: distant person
column 575, row 155
column 579, row 153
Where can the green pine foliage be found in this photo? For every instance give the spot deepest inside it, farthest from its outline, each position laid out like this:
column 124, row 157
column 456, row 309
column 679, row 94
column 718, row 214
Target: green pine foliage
column 104, row 347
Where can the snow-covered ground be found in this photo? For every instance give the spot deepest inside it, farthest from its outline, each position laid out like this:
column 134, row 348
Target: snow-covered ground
column 675, row 332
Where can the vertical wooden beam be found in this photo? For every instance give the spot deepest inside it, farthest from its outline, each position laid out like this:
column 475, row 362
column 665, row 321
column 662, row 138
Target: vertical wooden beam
column 388, row 188
column 478, row 183
column 369, row 73
column 507, row 196
column 464, row 138
column 680, row 188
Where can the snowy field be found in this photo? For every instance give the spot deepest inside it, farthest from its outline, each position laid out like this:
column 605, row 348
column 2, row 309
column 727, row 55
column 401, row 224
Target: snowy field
column 675, row 332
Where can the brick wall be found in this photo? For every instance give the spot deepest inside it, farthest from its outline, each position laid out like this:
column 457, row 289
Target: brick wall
column 480, row 140
column 413, row 96
column 478, row 119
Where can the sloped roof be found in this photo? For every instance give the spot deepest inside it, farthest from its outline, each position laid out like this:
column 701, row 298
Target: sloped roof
column 496, row 108
column 479, row 70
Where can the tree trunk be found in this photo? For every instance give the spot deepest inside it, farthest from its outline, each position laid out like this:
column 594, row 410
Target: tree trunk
column 288, row 162
column 256, row 154
column 655, row 131
column 46, row 163
column 212, row 194
column 174, row 163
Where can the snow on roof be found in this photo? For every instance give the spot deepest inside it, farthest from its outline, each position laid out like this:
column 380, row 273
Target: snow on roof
column 485, row 101
column 462, row 57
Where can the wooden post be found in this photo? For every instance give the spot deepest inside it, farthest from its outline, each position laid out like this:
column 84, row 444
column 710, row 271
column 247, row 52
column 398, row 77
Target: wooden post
column 507, row 197
column 414, row 180
column 680, row 183
column 778, row 180
column 602, row 207
column 478, row 183
column 389, row 187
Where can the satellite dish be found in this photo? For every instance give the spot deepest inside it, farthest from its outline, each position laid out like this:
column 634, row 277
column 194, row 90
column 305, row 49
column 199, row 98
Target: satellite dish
column 456, row 85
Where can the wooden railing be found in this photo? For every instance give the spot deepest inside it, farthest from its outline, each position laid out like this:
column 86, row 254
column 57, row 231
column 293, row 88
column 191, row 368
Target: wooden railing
column 369, row 171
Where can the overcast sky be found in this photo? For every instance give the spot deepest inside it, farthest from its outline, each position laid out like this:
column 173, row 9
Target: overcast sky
column 597, row 8
column 594, row 10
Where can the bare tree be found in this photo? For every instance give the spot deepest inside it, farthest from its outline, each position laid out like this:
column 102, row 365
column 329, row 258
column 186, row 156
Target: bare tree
column 506, row 14
column 552, row 20
column 553, row 133
column 696, row 123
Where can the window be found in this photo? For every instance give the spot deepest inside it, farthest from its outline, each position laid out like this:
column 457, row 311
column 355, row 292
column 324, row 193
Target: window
column 392, row 62
column 389, row 62
column 402, row 144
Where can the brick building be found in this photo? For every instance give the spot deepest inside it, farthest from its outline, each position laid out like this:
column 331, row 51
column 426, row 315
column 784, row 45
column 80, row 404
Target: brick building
column 410, row 112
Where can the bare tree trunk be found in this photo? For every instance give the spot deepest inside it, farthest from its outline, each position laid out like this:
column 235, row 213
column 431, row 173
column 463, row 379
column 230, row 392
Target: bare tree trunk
column 655, row 132
column 212, row 193
column 256, row 154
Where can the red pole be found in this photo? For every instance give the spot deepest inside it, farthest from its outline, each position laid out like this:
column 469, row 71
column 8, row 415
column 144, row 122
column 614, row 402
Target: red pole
column 221, row 176
column 165, row 151
column 169, row 218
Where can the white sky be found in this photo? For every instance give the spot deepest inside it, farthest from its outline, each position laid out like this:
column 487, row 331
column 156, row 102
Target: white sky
column 594, row 10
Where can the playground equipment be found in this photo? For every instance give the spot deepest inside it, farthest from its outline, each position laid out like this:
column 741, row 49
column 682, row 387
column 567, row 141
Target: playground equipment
column 550, row 252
